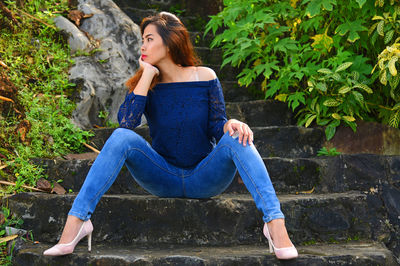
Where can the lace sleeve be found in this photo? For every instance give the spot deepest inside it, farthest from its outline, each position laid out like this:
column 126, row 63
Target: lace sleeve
column 216, row 111
column 131, row 110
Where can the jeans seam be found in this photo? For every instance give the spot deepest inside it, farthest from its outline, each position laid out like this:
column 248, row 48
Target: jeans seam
column 125, row 156
column 227, row 145
column 153, row 161
column 77, row 214
column 108, row 180
column 252, row 181
column 208, row 159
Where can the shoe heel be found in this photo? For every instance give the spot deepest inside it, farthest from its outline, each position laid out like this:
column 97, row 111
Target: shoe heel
column 90, row 242
column 271, row 249
column 268, row 236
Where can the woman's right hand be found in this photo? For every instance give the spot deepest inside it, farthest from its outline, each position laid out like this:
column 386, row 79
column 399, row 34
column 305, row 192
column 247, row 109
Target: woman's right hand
column 148, row 67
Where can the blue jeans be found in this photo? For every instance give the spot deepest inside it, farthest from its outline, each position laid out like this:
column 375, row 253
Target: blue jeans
column 151, row 171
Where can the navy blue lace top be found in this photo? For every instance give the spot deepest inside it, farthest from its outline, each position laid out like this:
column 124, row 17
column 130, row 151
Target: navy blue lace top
column 186, row 119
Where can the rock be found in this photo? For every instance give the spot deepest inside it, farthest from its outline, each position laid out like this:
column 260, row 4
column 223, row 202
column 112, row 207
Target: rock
column 100, row 78
column 227, row 219
column 391, row 198
column 355, row 254
column 76, row 39
column 15, row 231
column 43, row 184
column 58, row 189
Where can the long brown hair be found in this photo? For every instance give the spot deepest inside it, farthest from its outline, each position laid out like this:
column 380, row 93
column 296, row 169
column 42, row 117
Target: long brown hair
column 176, row 37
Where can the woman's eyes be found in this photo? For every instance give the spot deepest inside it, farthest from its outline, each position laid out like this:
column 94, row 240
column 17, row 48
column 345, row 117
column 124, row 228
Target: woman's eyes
column 148, row 40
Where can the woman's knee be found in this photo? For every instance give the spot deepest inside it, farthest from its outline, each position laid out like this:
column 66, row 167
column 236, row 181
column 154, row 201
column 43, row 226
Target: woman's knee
column 232, row 141
column 123, row 138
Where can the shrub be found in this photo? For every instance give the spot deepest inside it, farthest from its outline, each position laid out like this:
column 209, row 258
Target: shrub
column 296, row 49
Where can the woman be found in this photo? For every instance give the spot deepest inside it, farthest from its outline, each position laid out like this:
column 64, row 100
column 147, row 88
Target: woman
column 185, row 111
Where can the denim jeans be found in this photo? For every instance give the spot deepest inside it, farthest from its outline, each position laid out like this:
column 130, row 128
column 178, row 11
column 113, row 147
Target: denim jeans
column 208, row 178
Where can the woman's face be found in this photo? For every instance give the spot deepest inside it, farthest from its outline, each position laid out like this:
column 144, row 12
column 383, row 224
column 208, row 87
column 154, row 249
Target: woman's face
column 153, row 49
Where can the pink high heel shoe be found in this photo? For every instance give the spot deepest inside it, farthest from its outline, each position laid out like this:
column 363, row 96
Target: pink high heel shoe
column 281, row 253
column 64, row 249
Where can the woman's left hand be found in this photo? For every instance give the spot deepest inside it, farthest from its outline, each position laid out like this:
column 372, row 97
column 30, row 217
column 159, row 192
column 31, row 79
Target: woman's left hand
column 245, row 133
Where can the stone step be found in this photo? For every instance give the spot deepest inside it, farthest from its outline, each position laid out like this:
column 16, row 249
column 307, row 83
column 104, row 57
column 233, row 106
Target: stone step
column 209, row 56
column 361, row 254
column 222, row 220
column 227, row 73
column 361, row 172
column 192, row 22
column 177, row 7
column 233, row 92
column 273, row 141
column 261, row 113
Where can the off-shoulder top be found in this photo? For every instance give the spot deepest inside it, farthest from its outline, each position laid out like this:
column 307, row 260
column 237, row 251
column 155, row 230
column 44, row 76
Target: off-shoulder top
column 185, row 119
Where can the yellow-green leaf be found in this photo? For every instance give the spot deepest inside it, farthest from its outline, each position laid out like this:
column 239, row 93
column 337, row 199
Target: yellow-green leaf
column 344, row 66
column 355, row 75
column 336, row 116
column 331, row 103
column 377, row 17
column 344, row 89
column 349, row 118
column 380, row 3
column 389, row 36
column 281, row 97
column 358, row 96
column 309, row 120
column 392, row 66
column 394, row 119
column 336, row 76
column 381, row 64
column 8, row 238
column 364, row 87
column 373, row 27
column 325, row 71
column 379, row 28
column 383, row 78
column 322, row 40
column 264, row 85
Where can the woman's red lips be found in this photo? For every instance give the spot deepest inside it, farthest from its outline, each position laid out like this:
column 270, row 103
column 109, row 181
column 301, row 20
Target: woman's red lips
column 144, row 56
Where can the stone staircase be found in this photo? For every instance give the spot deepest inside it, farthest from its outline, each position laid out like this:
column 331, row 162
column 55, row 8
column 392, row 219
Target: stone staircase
column 336, row 212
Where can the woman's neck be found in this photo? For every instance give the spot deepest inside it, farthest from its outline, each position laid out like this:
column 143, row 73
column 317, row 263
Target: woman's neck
column 171, row 72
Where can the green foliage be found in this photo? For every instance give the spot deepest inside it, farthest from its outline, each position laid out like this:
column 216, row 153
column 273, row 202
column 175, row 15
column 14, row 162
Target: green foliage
column 107, row 123
column 9, row 221
column 334, row 96
column 325, row 152
column 37, row 60
column 316, row 56
column 39, row 71
column 388, row 74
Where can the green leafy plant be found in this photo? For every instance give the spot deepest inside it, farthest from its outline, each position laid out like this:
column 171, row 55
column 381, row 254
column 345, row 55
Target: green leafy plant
column 284, row 46
column 9, row 221
column 104, row 115
column 387, row 61
column 325, row 152
column 335, row 96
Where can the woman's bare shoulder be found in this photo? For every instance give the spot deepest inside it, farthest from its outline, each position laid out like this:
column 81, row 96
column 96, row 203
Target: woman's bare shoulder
column 206, row 73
